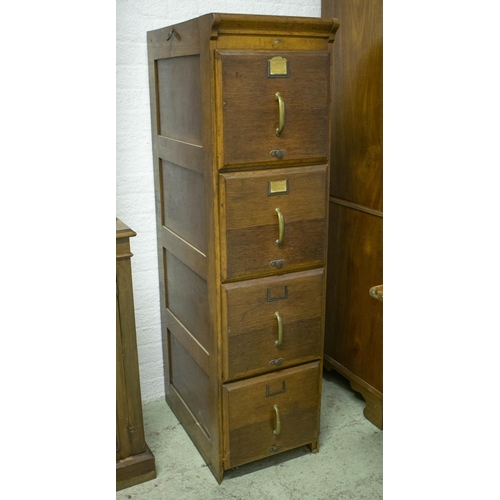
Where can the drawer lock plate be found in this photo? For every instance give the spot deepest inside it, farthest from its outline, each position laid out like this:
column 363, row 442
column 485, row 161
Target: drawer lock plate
column 276, row 362
column 277, row 263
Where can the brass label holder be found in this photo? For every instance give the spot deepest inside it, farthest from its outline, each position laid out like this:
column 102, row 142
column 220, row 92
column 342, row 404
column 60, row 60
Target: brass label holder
column 278, row 67
column 270, row 394
column 277, row 187
column 270, row 298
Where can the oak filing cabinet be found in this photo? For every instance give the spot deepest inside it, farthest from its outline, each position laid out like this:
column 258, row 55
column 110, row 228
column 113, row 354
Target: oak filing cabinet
column 240, row 109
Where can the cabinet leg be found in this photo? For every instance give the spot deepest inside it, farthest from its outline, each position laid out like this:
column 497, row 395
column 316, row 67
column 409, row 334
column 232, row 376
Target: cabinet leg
column 313, row 447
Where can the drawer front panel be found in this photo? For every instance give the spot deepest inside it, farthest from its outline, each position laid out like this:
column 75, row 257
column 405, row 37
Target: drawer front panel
column 251, row 223
column 253, row 311
column 251, row 110
column 251, row 418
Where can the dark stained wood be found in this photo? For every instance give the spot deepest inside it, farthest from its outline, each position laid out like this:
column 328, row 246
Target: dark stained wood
column 250, row 223
column 353, row 317
column 250, row 327
column 186, row 85
column 251, row 419
column 134, row 461
column 250, row 109
column 356, row 161
column 353, row 335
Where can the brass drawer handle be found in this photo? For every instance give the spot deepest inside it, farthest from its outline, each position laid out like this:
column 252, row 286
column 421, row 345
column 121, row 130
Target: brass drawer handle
column 277, row 427
column 281, row 105
column 280, row 329
column 281, row 227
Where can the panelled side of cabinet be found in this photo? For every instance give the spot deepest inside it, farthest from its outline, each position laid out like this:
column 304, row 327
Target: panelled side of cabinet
column 181, row 84
column 353, row 334
column 240, row 109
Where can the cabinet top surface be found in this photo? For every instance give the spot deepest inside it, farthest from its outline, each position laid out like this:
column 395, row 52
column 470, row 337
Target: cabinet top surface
column 123, row 231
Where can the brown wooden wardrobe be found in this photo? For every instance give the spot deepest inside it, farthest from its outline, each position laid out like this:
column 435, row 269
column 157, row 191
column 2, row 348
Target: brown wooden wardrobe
column 353, row 333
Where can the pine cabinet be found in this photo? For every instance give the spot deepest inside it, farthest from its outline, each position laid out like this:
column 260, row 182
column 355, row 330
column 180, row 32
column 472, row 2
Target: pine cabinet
column 240, row 113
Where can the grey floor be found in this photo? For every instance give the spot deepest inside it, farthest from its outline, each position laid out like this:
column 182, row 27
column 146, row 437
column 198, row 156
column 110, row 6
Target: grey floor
column 347, row 466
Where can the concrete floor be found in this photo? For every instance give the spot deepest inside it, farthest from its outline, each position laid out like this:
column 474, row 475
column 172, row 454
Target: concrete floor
column 347, row 466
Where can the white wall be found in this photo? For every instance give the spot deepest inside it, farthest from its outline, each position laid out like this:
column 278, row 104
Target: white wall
column 134, row 166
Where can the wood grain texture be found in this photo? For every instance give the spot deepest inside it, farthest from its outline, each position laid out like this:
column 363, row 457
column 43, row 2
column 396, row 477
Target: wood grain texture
column 356, row 185
column 135, row 462
column 128, row 345
column 184, row 79
column 135, row 470
column 187, row 299
column 356, row 159
column 159, row 47
column 353, row 318
column 191, row 382
column 250, row 417
column 250, row 327
column 250, row 109
column 250, row 224
column 181, row 153
column 179, row 96
column 184, row 204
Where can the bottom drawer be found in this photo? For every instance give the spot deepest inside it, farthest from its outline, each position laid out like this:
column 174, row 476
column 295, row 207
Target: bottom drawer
column 271, row 413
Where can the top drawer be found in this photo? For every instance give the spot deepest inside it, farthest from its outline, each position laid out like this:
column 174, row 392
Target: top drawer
column 252, row 113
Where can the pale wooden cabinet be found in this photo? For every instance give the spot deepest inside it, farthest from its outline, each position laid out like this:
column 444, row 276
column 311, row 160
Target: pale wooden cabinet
column 134, row 461
column 240, row 109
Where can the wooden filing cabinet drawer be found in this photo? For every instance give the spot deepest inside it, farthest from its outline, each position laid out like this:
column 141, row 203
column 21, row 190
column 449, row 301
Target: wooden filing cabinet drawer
column 254, row 313
column 251, row 110
column 252, row 204
column 271, row 413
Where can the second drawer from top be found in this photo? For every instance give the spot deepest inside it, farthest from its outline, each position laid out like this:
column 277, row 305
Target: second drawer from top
column 272, row 221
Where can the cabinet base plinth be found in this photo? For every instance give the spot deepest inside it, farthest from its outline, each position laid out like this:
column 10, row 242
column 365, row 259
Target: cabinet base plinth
column 134, row 470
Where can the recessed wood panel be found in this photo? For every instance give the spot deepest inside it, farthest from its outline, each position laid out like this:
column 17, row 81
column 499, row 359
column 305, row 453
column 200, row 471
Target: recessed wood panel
column 183, row 206
column 251, row 111
column 353, row 317
column 179, row 98
column 187, row 299
column 191, row 382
